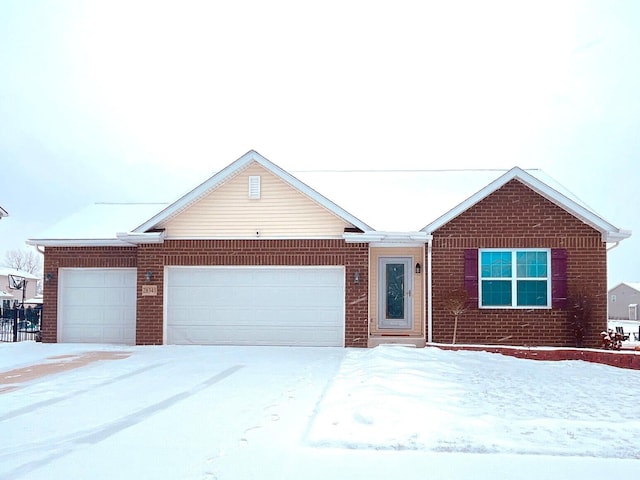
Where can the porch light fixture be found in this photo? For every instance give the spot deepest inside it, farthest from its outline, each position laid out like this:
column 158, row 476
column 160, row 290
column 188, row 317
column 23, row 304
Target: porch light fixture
column 48, row 277
column 149, row 276
column 356, row 277
column 418, row 268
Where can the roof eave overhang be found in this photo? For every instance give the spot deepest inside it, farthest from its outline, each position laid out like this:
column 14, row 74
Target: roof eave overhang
column 77, row 242
column 382, row 238
column 136, row 238
column 615, row 236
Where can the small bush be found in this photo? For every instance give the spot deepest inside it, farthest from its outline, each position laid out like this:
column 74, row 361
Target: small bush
column 579, row 316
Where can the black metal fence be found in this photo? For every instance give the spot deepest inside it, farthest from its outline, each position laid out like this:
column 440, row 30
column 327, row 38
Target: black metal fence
column 20, row 324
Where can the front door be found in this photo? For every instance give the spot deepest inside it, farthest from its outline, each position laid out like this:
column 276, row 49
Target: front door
column 395, row 284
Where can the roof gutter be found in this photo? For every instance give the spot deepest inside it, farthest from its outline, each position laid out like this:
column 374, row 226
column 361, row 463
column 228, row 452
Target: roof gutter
column 77, row 242
column 136, row 238
column 615, row 236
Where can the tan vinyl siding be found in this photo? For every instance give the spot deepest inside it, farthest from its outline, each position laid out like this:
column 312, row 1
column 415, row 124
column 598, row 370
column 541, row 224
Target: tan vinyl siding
column 417, row 254
column 281, row 211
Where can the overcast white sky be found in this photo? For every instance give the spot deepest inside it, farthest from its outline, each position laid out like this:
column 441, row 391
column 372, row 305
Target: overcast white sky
column 143, row 100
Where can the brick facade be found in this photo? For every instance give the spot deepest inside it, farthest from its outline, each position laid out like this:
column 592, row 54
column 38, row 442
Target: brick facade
column 75, row 257
column 514, row 216
column 154, row 257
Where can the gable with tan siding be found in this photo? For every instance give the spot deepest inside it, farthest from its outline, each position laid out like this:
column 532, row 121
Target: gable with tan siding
column 281, row 211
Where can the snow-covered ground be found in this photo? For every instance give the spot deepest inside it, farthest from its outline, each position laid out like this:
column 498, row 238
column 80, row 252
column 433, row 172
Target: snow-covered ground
column 316, row 413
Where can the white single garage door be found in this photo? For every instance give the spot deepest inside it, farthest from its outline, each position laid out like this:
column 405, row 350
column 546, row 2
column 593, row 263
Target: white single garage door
column 255, row 306
column 97, row 305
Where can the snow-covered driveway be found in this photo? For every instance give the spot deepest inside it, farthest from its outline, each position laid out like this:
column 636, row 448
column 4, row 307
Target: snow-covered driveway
column 232, row 412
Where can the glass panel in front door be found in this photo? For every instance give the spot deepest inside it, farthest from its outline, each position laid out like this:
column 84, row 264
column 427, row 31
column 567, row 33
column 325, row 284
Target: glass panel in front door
column 394, row 293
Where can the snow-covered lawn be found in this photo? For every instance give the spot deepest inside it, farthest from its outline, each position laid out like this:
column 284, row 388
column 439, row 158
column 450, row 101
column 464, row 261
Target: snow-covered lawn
column 316, row 413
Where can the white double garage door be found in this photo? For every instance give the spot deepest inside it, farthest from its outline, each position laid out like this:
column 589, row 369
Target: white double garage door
column 302, row 306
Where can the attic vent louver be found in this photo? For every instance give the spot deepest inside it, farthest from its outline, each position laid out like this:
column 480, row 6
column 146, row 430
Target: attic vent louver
column 254, row 187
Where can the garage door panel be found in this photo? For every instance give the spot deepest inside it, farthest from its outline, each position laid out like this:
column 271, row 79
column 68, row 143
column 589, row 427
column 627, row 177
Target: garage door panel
column 97, row 305
column 255, row 306
column 84, row 278
column 239, row 335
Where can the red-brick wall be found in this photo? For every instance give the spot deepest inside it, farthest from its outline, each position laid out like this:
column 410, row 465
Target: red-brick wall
column 154, row 257
column 515, row 216
column 78, row 257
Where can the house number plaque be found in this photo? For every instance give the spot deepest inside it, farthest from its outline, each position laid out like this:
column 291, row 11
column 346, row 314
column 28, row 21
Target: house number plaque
column 149, row 290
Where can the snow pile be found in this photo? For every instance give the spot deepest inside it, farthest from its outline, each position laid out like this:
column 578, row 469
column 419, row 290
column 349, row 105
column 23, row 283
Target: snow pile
column 427, row 399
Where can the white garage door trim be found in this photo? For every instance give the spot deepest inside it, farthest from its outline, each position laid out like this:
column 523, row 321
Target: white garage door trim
column 97, row 305
column 298, row 305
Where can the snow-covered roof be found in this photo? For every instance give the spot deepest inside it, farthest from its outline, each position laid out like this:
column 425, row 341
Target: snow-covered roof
column 6, row 271
column 549, row 189
column 98, row 224
column 634, row 285
column 371, row 200
column 406, row 200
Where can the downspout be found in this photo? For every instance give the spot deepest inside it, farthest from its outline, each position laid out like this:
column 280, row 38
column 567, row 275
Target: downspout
column 429, row 288
column 613, row 246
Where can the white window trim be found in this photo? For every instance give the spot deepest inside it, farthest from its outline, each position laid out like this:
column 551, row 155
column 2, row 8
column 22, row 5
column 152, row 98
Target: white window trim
column 513, row 279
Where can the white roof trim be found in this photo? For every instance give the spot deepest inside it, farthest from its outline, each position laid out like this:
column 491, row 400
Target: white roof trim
column 137, row 238
column 258, row 237
column 612, row 237
column 388, row 237
column 610, row 233
column 78, row 242
column 231, row 170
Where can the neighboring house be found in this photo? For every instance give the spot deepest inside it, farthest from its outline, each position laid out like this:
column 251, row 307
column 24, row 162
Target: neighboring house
column 10, row 295
column 624, row 300
column 258, row 256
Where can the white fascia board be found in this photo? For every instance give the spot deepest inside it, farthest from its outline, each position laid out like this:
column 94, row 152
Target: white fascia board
column 616, row 236
column 233, row 169
column 609, row 232
column 137, row 238
column 383, row 238
column 311, row 193
column 77, row 242
column 472, row 200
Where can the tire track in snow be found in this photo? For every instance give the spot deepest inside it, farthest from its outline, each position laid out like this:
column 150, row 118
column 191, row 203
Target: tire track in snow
column 45, row 403
column 65, row 446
